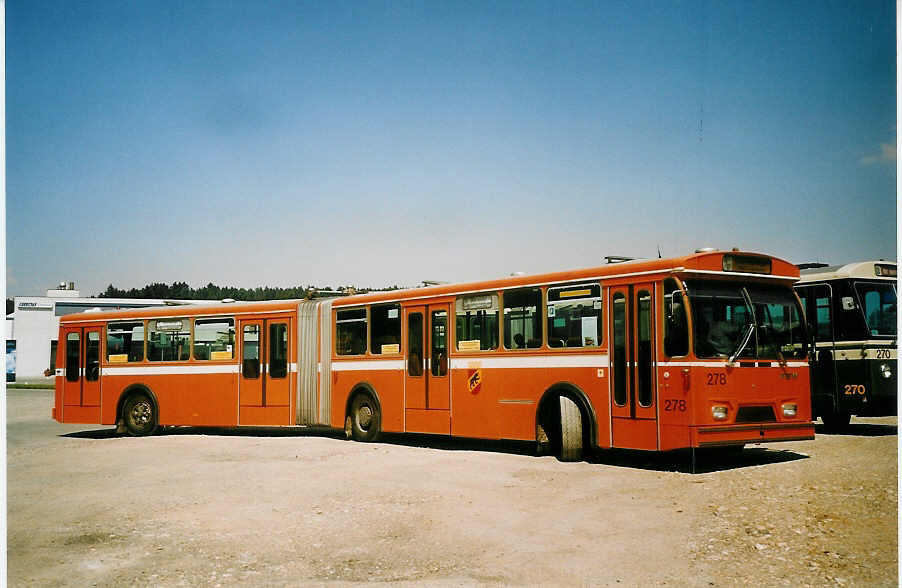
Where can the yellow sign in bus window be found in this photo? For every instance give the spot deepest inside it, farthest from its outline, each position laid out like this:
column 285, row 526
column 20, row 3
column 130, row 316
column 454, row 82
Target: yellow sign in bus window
column 575, row 293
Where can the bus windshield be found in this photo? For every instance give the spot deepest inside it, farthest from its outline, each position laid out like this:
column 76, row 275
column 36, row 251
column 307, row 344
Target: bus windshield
column 878, row 302
column 724, row 313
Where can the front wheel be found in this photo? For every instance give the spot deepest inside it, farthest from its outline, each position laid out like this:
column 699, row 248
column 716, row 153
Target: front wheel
column 365, row 419
column 140, row 416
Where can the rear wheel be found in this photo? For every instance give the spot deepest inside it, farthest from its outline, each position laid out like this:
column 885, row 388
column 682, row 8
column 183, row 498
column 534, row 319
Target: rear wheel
column 835, row 421
column 365, row 419
column 571, row 431
column 140, row 415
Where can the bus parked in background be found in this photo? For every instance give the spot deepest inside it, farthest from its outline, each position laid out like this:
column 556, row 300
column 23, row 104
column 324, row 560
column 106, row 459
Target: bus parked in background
column 703, row 350
column 851, row 311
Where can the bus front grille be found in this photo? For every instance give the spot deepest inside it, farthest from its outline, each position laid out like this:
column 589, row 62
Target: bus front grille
column 755, row 414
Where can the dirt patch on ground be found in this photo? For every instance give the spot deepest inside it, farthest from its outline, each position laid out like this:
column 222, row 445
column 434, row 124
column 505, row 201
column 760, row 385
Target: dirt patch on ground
column 201, row 507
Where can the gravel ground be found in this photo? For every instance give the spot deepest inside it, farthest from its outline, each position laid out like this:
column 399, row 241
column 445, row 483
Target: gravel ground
column 285, row 507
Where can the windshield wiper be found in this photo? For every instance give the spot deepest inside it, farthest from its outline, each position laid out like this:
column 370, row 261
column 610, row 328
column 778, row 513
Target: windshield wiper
column 742, row 343
column 751, row 328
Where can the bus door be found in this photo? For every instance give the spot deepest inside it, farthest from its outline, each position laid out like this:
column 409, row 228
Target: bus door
column 633, row 382
column 81, row 375
column 426, row 382
column 265, row 381
column 820, row 311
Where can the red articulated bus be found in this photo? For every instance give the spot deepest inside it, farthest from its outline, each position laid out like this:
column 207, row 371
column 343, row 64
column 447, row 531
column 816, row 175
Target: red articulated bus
column 704, row 350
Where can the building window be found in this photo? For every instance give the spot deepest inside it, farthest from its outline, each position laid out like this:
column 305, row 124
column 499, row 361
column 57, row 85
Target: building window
column 124, row 342
column 385, row 328
column 350, row 331
column 522, row 318
column 574, row 316
column 477, row 322
column 214, row 338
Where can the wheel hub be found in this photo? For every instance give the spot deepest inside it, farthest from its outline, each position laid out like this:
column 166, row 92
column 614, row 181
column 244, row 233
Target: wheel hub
column 364, row 417
column 141, row 413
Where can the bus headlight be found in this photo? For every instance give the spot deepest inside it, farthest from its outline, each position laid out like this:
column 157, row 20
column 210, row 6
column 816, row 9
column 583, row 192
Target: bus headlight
column 886, row 370
column 719, row 412
column 790, row 409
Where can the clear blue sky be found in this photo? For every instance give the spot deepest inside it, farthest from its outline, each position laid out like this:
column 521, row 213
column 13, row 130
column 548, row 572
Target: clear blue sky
column 373, row 143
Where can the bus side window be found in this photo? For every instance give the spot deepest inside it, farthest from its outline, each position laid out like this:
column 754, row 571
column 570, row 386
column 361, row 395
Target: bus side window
column 522, row 318
column 823, row 313
column 125, row 342
column 350, row 331
column 385, row 328
column 214, row 338
column 476, row 320
column 574, row 315
column 676, row 329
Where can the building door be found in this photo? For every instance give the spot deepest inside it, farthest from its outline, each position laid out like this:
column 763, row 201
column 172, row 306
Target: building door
column 265, row 374
column 633, row 361
column 426, row 381
column 81, row 377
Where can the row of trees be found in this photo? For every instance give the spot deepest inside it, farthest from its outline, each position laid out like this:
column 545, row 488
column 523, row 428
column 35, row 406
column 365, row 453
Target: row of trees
column 181, row 290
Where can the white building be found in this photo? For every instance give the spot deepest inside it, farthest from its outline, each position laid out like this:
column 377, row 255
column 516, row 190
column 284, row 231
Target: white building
column 34, row 325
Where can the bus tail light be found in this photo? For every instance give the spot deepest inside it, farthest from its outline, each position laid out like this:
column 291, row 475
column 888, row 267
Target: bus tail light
column 719, row 412
column 886, row 371
column 790, row 409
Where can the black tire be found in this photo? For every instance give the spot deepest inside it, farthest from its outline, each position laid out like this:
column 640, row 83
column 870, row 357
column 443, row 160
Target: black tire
column 366, row 422
column 140, row 415
column 836, row 421
column 571, row 431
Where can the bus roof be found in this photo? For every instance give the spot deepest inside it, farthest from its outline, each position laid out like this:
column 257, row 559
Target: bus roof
column 216, row 308
column 708, row 263
column 874, row 270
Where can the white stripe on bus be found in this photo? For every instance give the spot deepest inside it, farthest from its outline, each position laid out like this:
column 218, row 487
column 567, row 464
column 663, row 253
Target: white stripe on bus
column 723, row 364
column 536, row 361
column 174, row 370
column 367, row 364
column 169, row 370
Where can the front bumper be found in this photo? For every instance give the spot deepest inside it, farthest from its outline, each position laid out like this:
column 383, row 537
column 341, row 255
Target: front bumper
column 720, row 435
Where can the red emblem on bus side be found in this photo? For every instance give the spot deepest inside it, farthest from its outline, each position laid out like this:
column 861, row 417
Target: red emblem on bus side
column 474, row 381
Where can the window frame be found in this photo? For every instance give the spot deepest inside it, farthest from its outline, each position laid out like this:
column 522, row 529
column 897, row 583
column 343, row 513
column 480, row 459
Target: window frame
column 213, row 319
column 154, row 322
column 371, row 334
column 686, row 317
column 601, row 316
column 106, row 340
column 540, row 312
column 366, row 335
column 497, row 307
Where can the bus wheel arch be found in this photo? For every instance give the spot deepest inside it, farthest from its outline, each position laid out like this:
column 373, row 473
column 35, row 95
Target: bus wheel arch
column 138, row 411
column 363, row 413
column 566, row 424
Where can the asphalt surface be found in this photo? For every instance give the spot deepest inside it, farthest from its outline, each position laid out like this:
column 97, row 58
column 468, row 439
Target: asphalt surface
column 267, row 507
